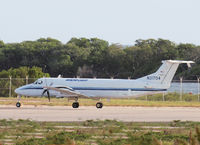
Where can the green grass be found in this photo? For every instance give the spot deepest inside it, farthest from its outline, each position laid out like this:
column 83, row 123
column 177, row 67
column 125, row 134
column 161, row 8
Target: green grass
column 108, row 132
column 170, row 97
column 170, row 100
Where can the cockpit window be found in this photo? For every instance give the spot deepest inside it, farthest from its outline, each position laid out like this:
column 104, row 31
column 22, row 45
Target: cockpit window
column 38, row 82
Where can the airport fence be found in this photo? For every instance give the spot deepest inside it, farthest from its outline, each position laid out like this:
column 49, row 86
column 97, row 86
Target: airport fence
column 8, row 85
column 181, row 88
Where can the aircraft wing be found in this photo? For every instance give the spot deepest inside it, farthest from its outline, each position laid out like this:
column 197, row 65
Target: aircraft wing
column 67, row 92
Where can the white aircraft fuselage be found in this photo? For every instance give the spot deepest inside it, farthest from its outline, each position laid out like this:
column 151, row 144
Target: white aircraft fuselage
column 106, row 88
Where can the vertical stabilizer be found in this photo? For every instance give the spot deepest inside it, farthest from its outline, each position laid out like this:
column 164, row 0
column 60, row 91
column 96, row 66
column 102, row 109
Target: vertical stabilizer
column 165, row 73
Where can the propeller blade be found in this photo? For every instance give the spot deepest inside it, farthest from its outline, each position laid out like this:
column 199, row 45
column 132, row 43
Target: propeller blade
column 44, row 92
column 48, row 95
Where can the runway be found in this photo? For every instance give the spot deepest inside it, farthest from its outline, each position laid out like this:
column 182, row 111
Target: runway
column 128, row 114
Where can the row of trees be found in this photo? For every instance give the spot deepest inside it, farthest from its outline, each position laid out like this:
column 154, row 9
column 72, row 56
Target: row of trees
column 96, row 58
column 23, row 72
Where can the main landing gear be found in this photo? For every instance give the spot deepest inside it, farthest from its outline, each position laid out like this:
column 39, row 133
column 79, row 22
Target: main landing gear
column 99, row 105
column 75, row 105
column 18, row 104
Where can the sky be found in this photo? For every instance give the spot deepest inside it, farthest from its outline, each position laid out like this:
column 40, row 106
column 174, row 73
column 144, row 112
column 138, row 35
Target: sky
column 116, row 21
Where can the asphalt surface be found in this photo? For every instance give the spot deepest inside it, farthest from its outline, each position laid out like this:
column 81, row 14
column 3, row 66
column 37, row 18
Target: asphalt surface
column 67, row 113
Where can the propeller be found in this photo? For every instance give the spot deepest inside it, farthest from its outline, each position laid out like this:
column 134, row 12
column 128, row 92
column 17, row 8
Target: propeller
column 46, row 90
column 48, row 95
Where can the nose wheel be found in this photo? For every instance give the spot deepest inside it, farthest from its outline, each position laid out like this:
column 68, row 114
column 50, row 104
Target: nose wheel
column 18, row 104
column 75, row 105
column 99, row 105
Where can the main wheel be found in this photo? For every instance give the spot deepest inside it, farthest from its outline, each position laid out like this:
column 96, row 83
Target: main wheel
column 75, row 105
column 18, row 104
column 99, row 105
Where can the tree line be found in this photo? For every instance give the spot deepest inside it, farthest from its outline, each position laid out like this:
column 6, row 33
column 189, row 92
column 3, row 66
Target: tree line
column 95, row 57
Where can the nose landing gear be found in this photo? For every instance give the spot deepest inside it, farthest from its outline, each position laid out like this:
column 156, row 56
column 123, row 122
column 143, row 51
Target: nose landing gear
column 18, row 104
column 99, row 105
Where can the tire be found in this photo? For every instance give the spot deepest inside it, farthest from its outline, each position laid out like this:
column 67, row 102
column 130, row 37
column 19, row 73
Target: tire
column 75, row 105
column 99, row 105
column 18, row 104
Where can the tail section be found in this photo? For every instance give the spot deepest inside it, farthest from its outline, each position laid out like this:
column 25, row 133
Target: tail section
column 165, row 73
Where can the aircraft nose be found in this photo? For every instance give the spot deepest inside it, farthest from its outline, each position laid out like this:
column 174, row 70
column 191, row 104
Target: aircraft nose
column 17, row 91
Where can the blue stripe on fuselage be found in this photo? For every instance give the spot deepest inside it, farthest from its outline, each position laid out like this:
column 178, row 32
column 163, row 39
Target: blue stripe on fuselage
column 104, row 89
column 117, row 89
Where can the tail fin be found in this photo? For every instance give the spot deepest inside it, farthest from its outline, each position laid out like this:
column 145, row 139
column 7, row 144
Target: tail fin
column 165, row 73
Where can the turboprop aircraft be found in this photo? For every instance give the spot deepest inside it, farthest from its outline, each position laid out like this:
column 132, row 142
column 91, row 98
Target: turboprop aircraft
column 102, row 88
